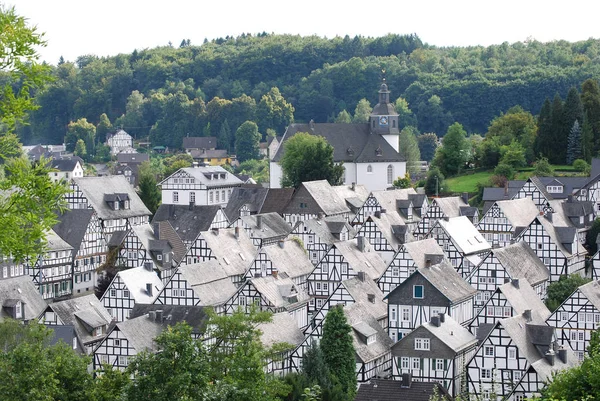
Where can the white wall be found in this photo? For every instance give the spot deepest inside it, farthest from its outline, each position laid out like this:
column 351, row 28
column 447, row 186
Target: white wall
column 275, row 174
column 377, row 180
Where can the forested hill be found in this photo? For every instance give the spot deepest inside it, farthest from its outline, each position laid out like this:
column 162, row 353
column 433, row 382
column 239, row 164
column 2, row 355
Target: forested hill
column 168, row 92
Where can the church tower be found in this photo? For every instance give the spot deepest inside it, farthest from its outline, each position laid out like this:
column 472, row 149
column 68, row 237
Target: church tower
column 384, row 119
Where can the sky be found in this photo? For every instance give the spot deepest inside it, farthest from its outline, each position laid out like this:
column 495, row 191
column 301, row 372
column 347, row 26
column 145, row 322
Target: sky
column 109, row 27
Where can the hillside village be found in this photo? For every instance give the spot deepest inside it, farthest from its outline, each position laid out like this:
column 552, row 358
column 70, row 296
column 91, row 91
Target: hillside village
column 435, row 290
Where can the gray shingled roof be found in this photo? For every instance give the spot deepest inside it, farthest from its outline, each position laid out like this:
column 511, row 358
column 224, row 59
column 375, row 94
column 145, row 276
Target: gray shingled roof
column 136, row 158
column 21, row 288
column 323, row 228
column 451, row 333
column 419, row 250
column 276, row 200
column 198, row 173
column 187, row 221
column 389, row 224
column 520, row 261
column 451, row 205
column 135, row 280
column 81, row 312
column 443, row 277
column 209, row 281
column 273, row 225
column 392, row 390
column 281, row 292
column 562, row 235
column 492, row 194
column 360, row 291
column 591, row 291
column 352, row 143
column 234, row 254
column 359, row 314
column 194, row 316
column 141, row 332
column 72, row 225
column 367, row 261
column 281, row 329
column 290, row 259
column 253, row 197
column 326, row 197
column 520, row 212
column 200, row 142
column 523, row 297
column 464, row 235
column 94, row 189
column 66, row 164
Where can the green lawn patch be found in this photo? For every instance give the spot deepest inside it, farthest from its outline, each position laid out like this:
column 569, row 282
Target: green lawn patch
column 468, row 182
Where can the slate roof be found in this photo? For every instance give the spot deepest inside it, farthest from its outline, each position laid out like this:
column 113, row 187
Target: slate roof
column 419, row 250
column 453, row 334
column 392, row 200
column 273, row 225
column 464, row 235
column 591, row 291
column 234, row 254
column 562, row 236
column 280, row 292
column 200, row 142
column 94, row 189
column 135, row 280
column 451, row 205
column 392, row 228
column 352, row 143
column 290, row 259
column 117, row 238
column 521, row 296
column 491, row 194
column 324, row 228
column 55, row 243
column 359, row 314
column 254, row 197
column 281, row 329
column 595, row 167
column 209, row 281
column 130, row 158
column 84, row 314
column 140, row 332
column 66, row 164
column 519, row 212
column 276, row 200
column 570, row 185
column 443, row 277
column 194, row 316
column 353, row 197
column 22, row 289
column 198, row 173
column 187, row 221
column 367, row 261
column 72, row 225
column 326, row 197
column 392, row 390
column 360, row 291
column 520, row 261
column 208, row 153
column 168, row 233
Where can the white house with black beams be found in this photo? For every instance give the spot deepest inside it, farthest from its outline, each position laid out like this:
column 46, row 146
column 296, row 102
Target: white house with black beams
column 504, row 219
column 439, row 208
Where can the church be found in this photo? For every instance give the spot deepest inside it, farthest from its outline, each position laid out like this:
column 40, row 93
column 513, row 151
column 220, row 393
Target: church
column 369, row 151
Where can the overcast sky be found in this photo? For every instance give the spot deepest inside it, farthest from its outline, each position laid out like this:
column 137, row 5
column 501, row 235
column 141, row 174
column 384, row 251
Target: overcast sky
column 110, row 27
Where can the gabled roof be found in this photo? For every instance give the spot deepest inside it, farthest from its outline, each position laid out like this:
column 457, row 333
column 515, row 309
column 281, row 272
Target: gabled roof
column 447, row 281
column 272, row 225
column 167, row 233
column 563, row 237
column 464, row 235
column 327, row 227
column 540, row 186
column 354, row 195
column 491, row 194
column 388, row 199
column 208, row 153
column 188, row 221
column 451, row 333
column 136, row 158
column 209, row 281
column 281, row 329
column 291, row 258
column 392, row 390
column 280, row 292
column 72, row 225
column 95, row 188
column 521, row 296
column 55, row 243
column 591, row 291
column 451, row 205
column 392, row 227
column 200, row 142
column 367, row 261
column 234, row 253
column 135, row 280
column 66, row 164
column 253, row 197
column 420, row 250
column 352, row 143
column 326, row 197
column 519, row 212
column 84, row 314
column 367, row 293
column 140, row 332
column 276, row 200
column 202, row 176
column 194, row 316
column 359, row 315
column 21, row 289
column 520, row 261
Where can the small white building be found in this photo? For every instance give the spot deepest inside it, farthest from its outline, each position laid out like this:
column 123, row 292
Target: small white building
column 119, row 141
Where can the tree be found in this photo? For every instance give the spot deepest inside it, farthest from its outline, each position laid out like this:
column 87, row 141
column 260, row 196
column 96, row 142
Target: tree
column 587, row 140
column 343, row 117
column 224, row 137
column 574, row 147
column 338, row 350
column 148, row 189
column 504, row 170
column 309, row 158
column 435, row 183
column 573, row 110
column 409, row 148
column 542, row 168
column 404, row 182
column 362, row 112
column 80, row 129
column 513, row 154
column 427, row 145
column 175, row 162
column 516, row 125
column 543, row 143
column 104, row 127
column 562, row 289
column 10, row 147
column 19, row 60
column 452, row 156
column 577, row 383
column 406, row 118
column 273, row 111
column 590, row 97
column 247, row 141
column 590, row 237
column 559, row 132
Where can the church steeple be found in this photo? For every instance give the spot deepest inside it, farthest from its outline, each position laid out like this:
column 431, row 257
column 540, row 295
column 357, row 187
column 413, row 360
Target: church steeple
column 384, row 118
column 384, row 93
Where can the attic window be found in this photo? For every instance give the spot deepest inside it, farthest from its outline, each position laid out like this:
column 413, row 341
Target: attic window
column 378, row 151
column 117, row 205
column 350, row 151
column 371, row 339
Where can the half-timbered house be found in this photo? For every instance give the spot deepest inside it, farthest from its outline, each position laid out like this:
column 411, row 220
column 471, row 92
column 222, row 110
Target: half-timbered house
column 229, row 246
column 272, row 294
column 439, row 208
column 281, row 329
column 503, row 264
column 504, row 219
column 510, row 299
column 245, row 201
column 580, row 214
column 577, row 317
column 403, row 389
column 314, row 198
column 52, row 271
column 264, row 229
column 204, row 284
column 87, row 316
column 437, row 351
column 119, row 141
column 286, row 258
column 9, row 268
column 386, row 232
column 463, row 244
column 556, row 244
column 535, row 190
column 590, row 191
column 503, row 360
column 81, row 229
column 344, row 260
column 354, row 195
column 429, row 291
column 190, row 220
column 20, row 299
column 129, row 287
column 410, row 257
column 211, row 185
column 318, row 235
column 114, row 200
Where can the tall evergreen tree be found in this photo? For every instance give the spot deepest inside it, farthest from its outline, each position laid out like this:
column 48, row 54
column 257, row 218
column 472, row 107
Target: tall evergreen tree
column 590, row 97
column 338, row 350
column 224, row 138
column 559, row 133
column 573, row 108
column 574, row 147
column 543, row 143
column 587, row 140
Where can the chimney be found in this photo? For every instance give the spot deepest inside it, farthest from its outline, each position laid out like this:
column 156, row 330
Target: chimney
column 406, row 380
column 353, row 187
column 371, row 298
column 550, row 357
column 515, row 283
column 435, row 321
column 527, row 314
column 549, row 216
column 148, row 266
column 275, row 273
column 506, row 189
column 155, row 229
column 159, row 316
column 152, row 315
column 465, row 197
column 446, row 218
column 149, row 289
column 442, row 317
column 562, row 354
column 320, row 215
column 428, row 262
column 237, row 232
column 360, row 240
column 378, row 214
column 382, row 211
column 361, row 276
column 570, row 198
column 281, row 243
column 259, row 221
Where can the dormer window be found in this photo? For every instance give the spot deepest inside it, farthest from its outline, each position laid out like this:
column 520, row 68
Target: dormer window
column 159, row 256
column 116, row 204
column 371, row 339
column 18, row 311
column 378, row 151
column 126, row 204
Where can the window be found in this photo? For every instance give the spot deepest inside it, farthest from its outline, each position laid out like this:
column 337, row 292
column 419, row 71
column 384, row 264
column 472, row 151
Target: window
column 117, row 342
column 192, row 197
column 395, row 272
column 404, row 363
column 122, row 360
column 242, row 300
column 439, row 364
column 512, row 353
column 517, row 375
column 113, row 293
column 488, row 350
column 418, row 291
column 126, row 293
column 210, row 197
column 223, row 196
column 406, row 314
column 416, row 363
column 369, row 169
column 318, row 286
column 217, row 196
column 422, row 344
column 393, row 314
column 390, row 174
column 18, row 310
column 175, row 197
column 486, row 373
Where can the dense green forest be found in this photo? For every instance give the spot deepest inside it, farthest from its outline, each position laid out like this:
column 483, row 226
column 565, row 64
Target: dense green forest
column 167, row 92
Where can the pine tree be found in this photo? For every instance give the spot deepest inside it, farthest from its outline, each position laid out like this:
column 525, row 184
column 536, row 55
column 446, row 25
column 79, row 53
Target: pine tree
column 574, row 146
column 559, row 133
column 590, row 97
column 573, row 108
column 587, row 140
column 224, row 137
column 338, row 350
column 543, row 144
column 313, row 366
